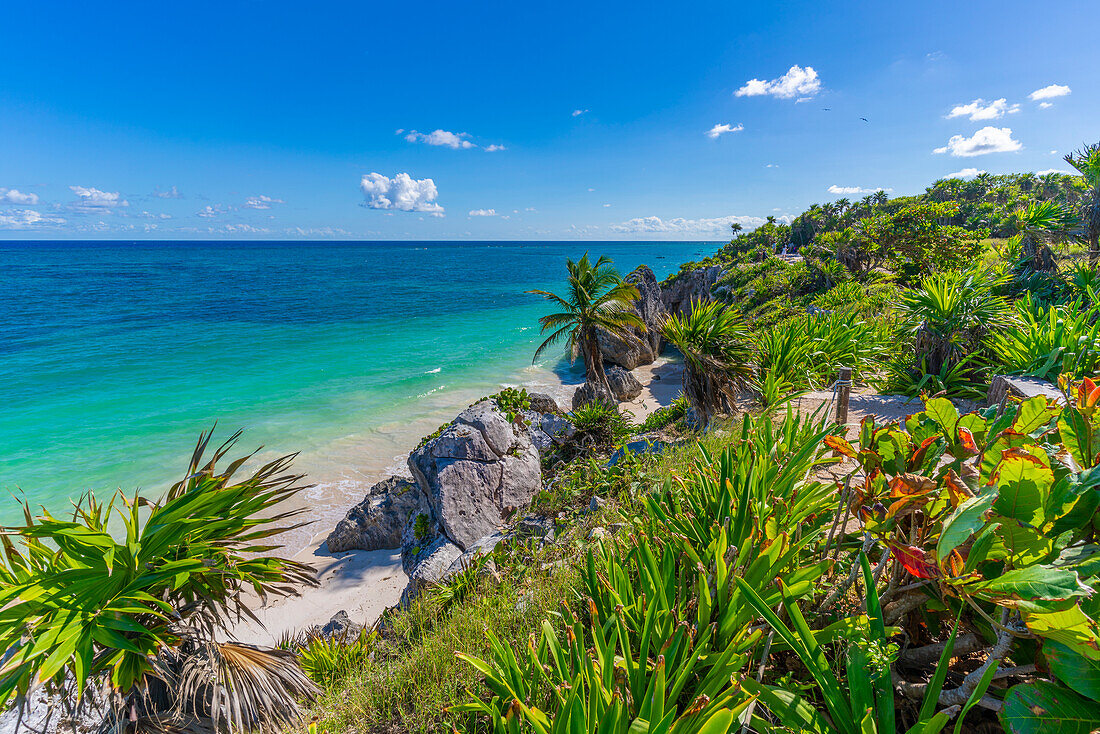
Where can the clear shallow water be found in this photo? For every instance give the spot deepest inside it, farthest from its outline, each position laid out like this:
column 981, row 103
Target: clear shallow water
column 114, row 356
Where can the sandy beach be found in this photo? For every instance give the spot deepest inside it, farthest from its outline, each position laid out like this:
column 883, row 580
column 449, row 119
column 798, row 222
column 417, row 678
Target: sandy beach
column 366, row 583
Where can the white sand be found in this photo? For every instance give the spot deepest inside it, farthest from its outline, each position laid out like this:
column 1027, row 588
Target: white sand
column 362, row 583
column 661, row 384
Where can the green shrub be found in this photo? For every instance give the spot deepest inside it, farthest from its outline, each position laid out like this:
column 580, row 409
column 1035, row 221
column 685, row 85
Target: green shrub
column 665, row 415
column 1048, row 341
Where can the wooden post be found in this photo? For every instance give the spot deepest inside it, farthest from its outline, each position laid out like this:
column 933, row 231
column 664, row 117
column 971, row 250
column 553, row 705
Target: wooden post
column 844, row 391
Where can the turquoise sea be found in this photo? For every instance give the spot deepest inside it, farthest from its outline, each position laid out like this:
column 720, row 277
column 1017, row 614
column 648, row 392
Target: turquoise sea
column 115, row 355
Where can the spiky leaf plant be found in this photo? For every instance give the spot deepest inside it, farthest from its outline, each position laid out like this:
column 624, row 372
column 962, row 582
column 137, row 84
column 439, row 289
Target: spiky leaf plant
column 139, row 613
column 717, row 356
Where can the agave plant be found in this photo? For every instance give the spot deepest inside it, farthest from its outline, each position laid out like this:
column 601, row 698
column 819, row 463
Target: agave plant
column 141, row 613
column 717, row 356
column 1048, row 341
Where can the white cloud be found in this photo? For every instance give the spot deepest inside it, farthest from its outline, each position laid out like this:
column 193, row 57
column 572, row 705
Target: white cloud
column 679, row 225
column 441, row 137
column 578, row 113
column 834, row 189
column 172, row 193
column 239, row 229
column 209, row 212
column 797, row 82
column 772, row 165
column 400, row 193
column 483, row 212
column 607, row 205
column 1054, row 170
column 979, row 109
column 722, row 129
column 965, row 173
column 93, row 198
column 987, row 140
column 1045, row 105
column 494, row 148
column 1049, row 92
column 15, row 196
column 261, row 202
column 318, row 232
column 26, row 219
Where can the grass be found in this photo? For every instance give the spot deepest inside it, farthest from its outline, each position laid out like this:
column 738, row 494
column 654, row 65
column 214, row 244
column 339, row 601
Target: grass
column 413, row 676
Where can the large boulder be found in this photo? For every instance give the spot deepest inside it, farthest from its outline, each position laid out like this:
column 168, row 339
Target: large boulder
column 543, row 403
column 689, row 286
column 379, row 520
column 591, row 393
column 474, row 474
column 624, row 385
column 637, row 347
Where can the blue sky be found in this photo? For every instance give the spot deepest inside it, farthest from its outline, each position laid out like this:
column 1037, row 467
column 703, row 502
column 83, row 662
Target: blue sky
column 271, row 120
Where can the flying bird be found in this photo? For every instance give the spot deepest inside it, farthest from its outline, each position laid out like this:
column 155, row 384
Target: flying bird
column 864, row 119
column 826, row 109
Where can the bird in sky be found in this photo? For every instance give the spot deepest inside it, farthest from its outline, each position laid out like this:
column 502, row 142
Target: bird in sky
column 864, row 119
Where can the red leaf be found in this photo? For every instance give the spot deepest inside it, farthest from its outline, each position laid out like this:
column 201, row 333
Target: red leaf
column 915, row 561
column 839, row 445
column 918, row 456
column 966, row 441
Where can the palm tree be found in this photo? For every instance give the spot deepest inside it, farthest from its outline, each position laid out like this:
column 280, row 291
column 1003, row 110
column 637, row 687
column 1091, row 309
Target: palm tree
column 1087, row 163
column 598, row 299
column 717, row 356
column 137, row 611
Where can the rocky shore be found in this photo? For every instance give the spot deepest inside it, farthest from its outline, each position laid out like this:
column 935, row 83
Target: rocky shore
column 466, row 487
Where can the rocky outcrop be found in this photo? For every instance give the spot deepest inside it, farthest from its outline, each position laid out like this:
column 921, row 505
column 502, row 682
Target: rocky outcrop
column 624, row 386
column 543, row 403
column 474, row 474
column 379, row 520
column 638, row 347
column 690, row 286
column 547, row 429
column 591, row 393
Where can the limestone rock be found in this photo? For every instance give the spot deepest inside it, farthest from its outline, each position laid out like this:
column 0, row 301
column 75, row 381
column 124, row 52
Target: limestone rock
column 476, row 472
column 1022, row 388
column 624, row 385
column 547, row 429
column 431, row 568
column 590, row 393
column 379, row 520
column 690, row 286
column 543, row 403
column 637, row 347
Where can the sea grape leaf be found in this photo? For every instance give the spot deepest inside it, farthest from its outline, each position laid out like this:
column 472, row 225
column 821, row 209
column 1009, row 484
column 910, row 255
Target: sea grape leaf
column 1075, row 670
column 915, row 561
column 969, row 518
column 841, row 446
column 1080, row 438
column 1072, row 627
column 1035, row 588
column 1023, row 482
column 980, row 550
column 943, row 412
column 977, row 425
column 994, row 451
column 1084, row 559
column 1043, row 707
column 1034, row 413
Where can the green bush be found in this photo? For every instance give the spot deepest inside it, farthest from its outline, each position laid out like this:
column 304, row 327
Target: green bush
column 1048, row 341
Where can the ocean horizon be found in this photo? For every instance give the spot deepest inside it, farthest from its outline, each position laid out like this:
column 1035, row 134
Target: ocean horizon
column 116, row 355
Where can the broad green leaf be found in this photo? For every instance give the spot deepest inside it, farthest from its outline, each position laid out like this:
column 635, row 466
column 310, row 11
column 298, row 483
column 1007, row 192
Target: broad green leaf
column 1072, row 627
column 1075, row 670
column 970, row 517
column 945, row 413
column 1034, row 413
column 1035, row 589
column 1023, row 482
column 1048, row 708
